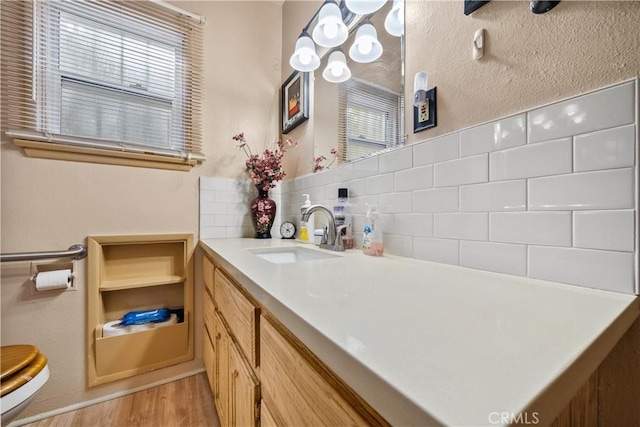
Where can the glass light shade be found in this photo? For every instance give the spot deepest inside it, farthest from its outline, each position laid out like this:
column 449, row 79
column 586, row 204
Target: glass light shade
column 394, row 23
column 330, row 30
column 337, row 70
column 364, row 7
column 304, row 57
column 366, row 47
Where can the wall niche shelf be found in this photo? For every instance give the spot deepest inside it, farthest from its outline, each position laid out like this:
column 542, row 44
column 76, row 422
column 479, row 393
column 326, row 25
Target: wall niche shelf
column 138, row 272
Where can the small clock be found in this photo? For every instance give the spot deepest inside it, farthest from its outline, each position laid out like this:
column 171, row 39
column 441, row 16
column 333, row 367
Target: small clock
column 288, row 230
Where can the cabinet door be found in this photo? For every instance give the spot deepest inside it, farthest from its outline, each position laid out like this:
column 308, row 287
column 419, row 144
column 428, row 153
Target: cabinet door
column 295, row 390
column 221, row 386
column 209, row 357
column 266, row 418
column 207, row 273
column 244, row 396
column 239, row 313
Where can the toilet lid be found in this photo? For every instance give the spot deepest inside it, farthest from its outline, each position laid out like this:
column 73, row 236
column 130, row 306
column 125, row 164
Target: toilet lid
column 19, row 363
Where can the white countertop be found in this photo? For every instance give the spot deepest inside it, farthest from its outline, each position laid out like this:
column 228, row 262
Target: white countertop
column 426, row 343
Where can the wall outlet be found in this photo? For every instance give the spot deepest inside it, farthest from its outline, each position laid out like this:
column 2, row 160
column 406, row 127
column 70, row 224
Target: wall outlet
column 423, row 112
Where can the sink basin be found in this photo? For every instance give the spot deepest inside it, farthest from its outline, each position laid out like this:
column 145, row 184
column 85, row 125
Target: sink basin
column 289, row 254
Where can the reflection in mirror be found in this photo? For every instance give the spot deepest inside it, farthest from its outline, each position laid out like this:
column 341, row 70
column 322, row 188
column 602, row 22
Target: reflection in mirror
column 364, row 114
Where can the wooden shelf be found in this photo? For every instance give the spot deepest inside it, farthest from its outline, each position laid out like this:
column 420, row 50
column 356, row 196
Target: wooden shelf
column 138, row 272
column 140, row 282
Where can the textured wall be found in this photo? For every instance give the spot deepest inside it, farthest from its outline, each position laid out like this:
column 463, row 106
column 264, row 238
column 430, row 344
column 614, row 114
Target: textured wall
column 49, row 205
column 529, row 59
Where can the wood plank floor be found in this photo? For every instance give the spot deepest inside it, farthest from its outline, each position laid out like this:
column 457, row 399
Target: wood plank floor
column 184, row 403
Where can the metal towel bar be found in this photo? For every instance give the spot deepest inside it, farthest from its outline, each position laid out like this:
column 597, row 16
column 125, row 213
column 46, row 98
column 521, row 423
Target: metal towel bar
column 75, row 252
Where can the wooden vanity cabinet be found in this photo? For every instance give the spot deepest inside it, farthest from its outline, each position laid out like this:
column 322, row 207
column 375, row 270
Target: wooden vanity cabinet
column 296, row 392
column 284, row 385
column 229, row 349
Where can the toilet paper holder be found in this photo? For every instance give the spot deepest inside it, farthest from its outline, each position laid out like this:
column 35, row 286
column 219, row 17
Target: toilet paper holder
column 49, row 267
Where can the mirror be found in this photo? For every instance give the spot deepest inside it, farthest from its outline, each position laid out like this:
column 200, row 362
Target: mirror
column 365, row 114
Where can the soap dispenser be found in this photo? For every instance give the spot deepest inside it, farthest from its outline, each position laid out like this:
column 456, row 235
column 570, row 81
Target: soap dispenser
column 306, row 235
column 372, row 243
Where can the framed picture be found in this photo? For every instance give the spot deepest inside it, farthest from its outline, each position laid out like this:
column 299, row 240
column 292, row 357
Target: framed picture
column 471, row 6
column 425, row 116
column 295, row 100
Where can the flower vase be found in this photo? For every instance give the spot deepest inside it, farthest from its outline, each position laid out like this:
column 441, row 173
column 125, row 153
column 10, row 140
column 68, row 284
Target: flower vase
column 263, row 213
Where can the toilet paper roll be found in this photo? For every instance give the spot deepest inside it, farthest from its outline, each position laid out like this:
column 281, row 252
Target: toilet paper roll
column 113, row 328
column 172, row 321
column 141, row 327
column 50, row 280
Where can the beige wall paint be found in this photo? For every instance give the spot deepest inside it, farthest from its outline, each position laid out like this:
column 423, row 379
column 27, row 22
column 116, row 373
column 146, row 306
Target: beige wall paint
column 295, row 15
column 49, row 205
column 530, row 60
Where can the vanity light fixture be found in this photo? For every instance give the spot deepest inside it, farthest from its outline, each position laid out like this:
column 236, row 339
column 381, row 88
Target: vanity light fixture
column 394, row 23
column 364, row 7
column 337, row 70
column 304, row 57
column 330, row 30
column 366, row 47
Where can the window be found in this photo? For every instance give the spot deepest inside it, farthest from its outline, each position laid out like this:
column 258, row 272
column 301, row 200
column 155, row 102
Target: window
column 108, row 75
column 371, row 119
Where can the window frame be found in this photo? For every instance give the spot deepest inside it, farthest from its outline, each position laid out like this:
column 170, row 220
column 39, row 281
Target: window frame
column 37, row 141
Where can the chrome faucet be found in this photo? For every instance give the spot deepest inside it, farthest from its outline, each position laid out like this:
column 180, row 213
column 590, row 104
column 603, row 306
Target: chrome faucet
column 332, row 239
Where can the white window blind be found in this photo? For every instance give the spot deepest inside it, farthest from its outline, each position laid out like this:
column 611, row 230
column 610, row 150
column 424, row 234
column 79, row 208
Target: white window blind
column 123, row 75
column 370, row 119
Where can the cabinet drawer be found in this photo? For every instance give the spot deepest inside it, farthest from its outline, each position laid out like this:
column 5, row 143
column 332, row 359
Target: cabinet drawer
column 209, row 309
column 207, row 273
column 239, row 314
column 295, row 391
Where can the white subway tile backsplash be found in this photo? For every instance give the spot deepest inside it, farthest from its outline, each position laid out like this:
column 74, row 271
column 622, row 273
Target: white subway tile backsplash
column 607, row 149
column 414, row 224
column 359, row 204
column 606, row 270
column 356, row 188
column 396, row 160
column 532, row 228
column 545, row 158
column 561, row 207
column 469, row 170
column 213, row 208
column 588, row 113
column 437, row 250
column 436, row 200
column 464, row 226
column 396, row 203
column 414, row 178
column 235, row 208
column 213, row 232
column 494, row 196
column 611, row 189
column 398, row 245
column 436, row 150
column 366, row 167
column 610, row 230
column 379, row 184
column 497, row 257
column 207, row 196
column 498, row 135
